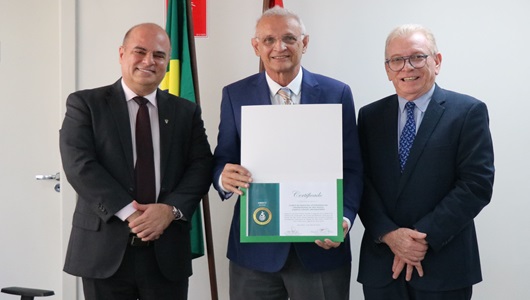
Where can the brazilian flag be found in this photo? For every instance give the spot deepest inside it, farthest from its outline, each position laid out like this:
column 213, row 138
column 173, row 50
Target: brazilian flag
column 179, row 82
column 179, row 76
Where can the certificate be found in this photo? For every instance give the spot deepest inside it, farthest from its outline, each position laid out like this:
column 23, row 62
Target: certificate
column 294, row 153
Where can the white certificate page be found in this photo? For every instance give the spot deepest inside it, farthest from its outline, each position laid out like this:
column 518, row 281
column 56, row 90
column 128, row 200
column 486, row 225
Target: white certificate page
column 298, row 148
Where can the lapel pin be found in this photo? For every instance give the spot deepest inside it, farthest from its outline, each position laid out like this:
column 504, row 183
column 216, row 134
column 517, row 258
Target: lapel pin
column 166, row 120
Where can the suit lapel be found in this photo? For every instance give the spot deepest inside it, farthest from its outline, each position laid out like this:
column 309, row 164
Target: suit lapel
column 166, row 120
column 256, row 92
column 118, row 106
column 259, row 93
column 311, row 92
column 389, row 144
column 432, row 116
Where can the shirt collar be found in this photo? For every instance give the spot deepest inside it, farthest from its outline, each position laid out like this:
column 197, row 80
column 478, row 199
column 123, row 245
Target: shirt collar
column 421, row 102
column 129, row 94
column 295, row 86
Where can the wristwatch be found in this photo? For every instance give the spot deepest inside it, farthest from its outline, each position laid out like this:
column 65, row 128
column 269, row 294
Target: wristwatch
column 177, row 213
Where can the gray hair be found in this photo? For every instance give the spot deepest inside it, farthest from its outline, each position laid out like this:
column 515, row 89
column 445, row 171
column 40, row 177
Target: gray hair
column 282, row 12
column 409, row 29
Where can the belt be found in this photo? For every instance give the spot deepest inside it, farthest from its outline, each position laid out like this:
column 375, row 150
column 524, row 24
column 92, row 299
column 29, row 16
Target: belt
column 135, row 241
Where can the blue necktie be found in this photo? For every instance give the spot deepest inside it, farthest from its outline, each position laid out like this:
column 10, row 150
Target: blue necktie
column 407, row 135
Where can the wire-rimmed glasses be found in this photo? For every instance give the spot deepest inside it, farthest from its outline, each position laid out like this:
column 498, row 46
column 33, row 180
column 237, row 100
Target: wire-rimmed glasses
column 288, row 39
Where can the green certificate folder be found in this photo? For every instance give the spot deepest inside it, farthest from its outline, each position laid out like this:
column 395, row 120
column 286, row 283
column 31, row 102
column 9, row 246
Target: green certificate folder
column 262, row 216
column 263, row 210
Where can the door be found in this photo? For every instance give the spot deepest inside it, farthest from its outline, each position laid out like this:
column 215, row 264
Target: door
column 36, row 68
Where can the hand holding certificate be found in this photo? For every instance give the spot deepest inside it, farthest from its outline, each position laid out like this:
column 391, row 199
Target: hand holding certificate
column 296, row 166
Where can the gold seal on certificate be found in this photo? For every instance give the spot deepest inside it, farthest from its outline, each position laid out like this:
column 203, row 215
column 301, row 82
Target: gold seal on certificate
column 262, row 216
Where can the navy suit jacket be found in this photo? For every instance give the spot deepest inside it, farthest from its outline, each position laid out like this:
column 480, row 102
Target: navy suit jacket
column 446, row 182
column 271, row 257
column 97, row 155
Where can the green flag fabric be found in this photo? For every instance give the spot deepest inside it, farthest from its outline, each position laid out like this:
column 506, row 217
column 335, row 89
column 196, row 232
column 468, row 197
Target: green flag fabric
column 179, row 81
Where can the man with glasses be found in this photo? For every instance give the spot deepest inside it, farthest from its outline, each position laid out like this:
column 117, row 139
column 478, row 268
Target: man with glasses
column 428, row 159
column 278, row 271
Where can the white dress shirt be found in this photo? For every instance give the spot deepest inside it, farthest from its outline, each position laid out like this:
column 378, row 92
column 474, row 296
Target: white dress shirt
column 133, row 107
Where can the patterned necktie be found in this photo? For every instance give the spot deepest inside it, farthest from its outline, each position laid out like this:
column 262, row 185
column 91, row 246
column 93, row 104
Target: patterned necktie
column 285, row 93
column 407, row 135
column 144, row 172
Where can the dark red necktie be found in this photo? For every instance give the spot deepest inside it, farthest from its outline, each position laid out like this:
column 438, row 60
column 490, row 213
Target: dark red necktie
column 144, row 171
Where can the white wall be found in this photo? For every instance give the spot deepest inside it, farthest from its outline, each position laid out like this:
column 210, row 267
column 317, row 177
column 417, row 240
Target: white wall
column 483, row 45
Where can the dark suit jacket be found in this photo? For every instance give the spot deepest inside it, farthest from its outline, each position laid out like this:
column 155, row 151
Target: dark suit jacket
column 270, row 257
column 447, row 181
column 97, row 156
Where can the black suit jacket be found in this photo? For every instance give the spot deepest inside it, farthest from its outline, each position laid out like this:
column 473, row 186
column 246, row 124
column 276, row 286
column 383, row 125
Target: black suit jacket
column 447, row 180
column 97, row 156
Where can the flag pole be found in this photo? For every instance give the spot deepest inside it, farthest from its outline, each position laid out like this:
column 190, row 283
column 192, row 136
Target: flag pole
column 205, row 199
column 266, row 5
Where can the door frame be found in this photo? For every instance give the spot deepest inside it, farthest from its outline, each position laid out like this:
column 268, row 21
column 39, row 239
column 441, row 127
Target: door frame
column 68, row 80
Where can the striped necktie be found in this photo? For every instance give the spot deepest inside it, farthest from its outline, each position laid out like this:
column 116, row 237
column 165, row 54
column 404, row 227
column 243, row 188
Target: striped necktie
column 285, row 93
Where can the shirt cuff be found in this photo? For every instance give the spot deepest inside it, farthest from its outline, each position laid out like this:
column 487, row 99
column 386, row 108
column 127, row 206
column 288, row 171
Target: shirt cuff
column 349, row 223
column 226, row 194
column 126, row 212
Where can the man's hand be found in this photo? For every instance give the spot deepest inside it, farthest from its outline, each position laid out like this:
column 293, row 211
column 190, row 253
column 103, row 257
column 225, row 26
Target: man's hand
column 409, row 247
column 328, row 244
column 235, row 176
column 399, row 265
column 153, row 219
column 135, row 215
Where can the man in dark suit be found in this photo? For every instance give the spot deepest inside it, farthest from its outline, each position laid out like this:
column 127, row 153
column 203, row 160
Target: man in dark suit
column 275, row 271
column 124, row 249
column 428, row 159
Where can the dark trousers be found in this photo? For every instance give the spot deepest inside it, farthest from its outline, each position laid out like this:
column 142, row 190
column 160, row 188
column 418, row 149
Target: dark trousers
column 138, row 277
column 291, row 282
column 400, row 289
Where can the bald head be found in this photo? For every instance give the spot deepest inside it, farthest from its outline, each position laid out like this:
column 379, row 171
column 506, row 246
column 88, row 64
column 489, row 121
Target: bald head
column 144, row 56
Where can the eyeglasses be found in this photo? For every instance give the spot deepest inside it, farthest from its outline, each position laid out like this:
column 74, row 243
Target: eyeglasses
column 417, row 61
column 286, row 39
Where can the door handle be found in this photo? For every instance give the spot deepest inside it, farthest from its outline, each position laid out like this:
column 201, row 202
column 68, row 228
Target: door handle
column 57, row 177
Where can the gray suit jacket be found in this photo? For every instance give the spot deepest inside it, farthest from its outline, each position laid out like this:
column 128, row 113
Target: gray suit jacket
column 97, row 155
